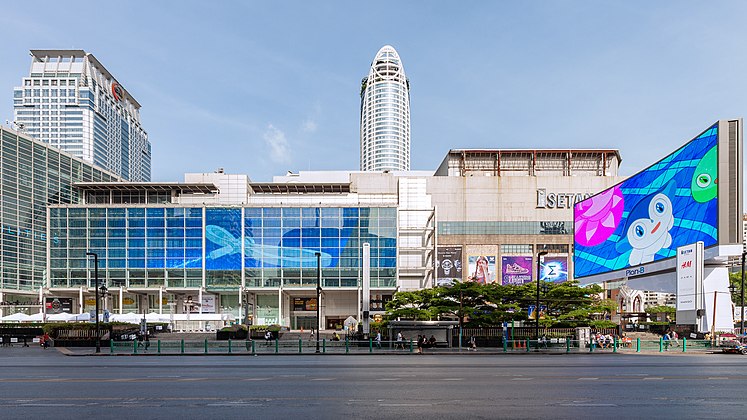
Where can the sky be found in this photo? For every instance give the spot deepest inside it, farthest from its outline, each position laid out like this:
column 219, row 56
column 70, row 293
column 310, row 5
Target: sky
column 262, row 88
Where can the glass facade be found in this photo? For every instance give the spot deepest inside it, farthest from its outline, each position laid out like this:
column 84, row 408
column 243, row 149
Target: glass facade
column 267, row 247
column 33, row 176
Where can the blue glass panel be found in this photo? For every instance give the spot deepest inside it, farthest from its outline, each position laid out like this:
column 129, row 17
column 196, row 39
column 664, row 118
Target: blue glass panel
column 136, row 233
column 292, row 212
column 154, row 212
column 153, row 222
column 175, row 233
column 117, row 243
column 271, row 212
column 193, row 233
column 174, row 222
column 155, row 233
column 175, row 253
column 136, row 253
column 253, row 212
column 310, row 212
column 193, row 222
column 135, row 222
column 136, row 212
column 155, row 263
column 117, row 233
column 175, row 212
column 118, row 263
column 193, row 243
column 223, row 239
column 136, row 243
column 136, row 263
column 194, row 212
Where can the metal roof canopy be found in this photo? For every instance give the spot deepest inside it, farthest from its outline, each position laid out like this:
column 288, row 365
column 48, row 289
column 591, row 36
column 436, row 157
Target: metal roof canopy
column 290, row 188
column 193, row 188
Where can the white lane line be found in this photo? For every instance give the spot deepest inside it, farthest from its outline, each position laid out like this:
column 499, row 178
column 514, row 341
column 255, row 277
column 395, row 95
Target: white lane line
column 388, row 379
column 452, row 379
column 522, row 379
column 257, row 379
column 587, row 405
column 718, row 378
column 323, row 379
column 653, row 378
column 588, row 379
column 406, row 405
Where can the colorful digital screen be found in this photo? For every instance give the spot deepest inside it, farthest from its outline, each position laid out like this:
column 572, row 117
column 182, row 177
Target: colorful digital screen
column 646, row 217
column 516, row 270
column 554, row 269
column 449, row 265
column 482, row 268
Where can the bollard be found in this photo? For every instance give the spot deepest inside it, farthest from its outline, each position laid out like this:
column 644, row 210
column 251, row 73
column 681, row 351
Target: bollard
column 206, row 346
column 505, row 345
column 229, row 346
column 158, row 344
column 638, row 345
column 370, row 345
column 591, row 346
column 134, row 347
column 614, row 345
column 567, row 345
column 182, row 345
column 661, row 344
column 277, row 345
column 324, row 345
column 527, row 345
column 347, row 345
column 111, row 346
column 253, row 350
column 300, row 345
column 684, row 344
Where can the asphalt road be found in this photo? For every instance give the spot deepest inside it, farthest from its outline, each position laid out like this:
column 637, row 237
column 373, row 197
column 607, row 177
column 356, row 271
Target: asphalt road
column 36, row 383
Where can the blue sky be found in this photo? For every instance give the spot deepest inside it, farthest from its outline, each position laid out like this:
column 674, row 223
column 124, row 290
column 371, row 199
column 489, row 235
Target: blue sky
column 265, row 87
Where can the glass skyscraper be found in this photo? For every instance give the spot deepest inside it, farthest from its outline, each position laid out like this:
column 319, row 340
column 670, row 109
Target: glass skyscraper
column 34, row 175
column 71, row 101
column 385, row 114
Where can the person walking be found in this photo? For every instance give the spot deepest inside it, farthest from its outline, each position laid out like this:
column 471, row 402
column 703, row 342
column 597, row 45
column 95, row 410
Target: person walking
column 400, row 341
column 674, row 338
column 378, row 339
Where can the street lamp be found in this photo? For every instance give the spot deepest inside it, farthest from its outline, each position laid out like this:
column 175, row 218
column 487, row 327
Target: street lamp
column 318, row 294
column 537, row 307
column 96, row 288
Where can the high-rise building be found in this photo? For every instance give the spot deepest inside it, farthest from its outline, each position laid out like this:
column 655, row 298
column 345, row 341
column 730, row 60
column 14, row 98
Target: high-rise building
column 71, row 101
column 385, row 114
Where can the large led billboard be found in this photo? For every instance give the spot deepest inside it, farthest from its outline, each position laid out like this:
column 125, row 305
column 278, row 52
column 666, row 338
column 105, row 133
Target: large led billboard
column 645, row 218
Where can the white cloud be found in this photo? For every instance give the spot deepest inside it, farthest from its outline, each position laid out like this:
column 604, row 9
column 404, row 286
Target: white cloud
column 279, row 148
column 309, row 125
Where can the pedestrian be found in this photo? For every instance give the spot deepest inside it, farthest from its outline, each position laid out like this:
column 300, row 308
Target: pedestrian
column 472, row 343
column 674, row 338
column 268, row 338
column 378, row 339
column 400, row 341
column 420, row 344
column 666, row 341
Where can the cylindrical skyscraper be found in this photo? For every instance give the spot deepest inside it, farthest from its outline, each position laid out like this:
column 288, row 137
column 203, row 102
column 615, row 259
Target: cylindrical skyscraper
column 385, row 114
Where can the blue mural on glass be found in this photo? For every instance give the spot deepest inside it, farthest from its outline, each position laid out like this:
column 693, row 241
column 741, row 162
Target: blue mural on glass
column 649, row 215
column 223, row 234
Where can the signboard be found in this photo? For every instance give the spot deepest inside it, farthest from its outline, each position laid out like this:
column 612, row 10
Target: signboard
column 554, row 269
column 304, row 304
column 207, row 305
column 54, row 305
column 649, row 215
column 482, row 268
column 449, row 265
column 689, row 275
column 516, row 270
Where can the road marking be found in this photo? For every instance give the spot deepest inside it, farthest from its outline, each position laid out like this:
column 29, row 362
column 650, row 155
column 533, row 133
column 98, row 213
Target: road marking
column 323, row 379
column 388, row 379
column 588, row 405
column 256, row 379
column 588, row 379
column 522, row 379
column 653, row 378
column 406, row 405
column 452, row 379
column 718, row 378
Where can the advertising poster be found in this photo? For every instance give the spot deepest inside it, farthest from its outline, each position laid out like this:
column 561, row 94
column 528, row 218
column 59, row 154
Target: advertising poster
column 54, row 305
column 554, row 269
column 516, row 270
column 649, row 215
column 304, row 304
column 193, row 307
column 449, row 265
column 482, row 268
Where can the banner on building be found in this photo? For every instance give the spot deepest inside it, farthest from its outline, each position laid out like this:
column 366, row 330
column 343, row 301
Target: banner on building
column 55, row 305
column 449, row 265
column 554, row 269
column 516, row 270
column 482, row 268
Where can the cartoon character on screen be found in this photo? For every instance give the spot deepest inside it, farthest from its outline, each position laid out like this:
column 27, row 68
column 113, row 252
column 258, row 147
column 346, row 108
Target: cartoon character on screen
column 648, row 225
column 704, row 185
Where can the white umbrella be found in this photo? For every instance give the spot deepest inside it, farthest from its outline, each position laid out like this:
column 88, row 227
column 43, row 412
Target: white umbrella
column 63, row 316
column 17, row 317
column 37, row 317
column 81, row 317
column 129, row 318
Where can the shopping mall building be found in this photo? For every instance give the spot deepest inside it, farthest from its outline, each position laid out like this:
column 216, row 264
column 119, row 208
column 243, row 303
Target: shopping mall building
column 218, row 243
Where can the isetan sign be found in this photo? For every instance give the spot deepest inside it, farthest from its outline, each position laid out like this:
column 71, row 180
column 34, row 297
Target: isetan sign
column 558, row 200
